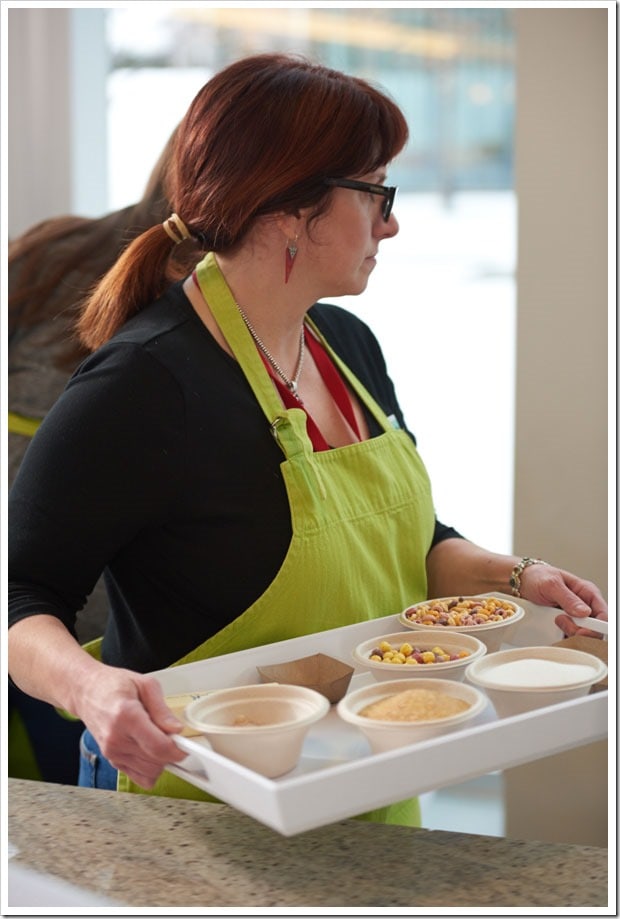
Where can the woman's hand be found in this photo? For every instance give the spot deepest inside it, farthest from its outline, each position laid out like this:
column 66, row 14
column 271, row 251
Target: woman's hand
column 458, row 567
column 549, row 586
column 125, row 711
column 127, row 715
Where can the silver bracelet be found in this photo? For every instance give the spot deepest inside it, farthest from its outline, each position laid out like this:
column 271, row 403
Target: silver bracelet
column 517, row 571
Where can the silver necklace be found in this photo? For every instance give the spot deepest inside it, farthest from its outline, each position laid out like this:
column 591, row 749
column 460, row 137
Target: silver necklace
column 290, row 384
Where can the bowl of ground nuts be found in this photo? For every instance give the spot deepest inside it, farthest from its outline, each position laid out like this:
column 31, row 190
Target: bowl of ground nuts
column 261, row 726
column 423, row 654
column 401, row 712
column 491, row 619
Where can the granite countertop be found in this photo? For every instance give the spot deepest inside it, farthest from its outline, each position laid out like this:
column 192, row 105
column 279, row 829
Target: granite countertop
column 142, row 851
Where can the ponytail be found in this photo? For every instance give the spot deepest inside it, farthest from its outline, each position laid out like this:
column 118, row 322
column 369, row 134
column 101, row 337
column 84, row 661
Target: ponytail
column 143, row 271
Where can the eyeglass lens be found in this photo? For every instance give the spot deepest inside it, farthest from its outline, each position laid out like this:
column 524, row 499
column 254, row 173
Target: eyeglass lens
column 388, row 192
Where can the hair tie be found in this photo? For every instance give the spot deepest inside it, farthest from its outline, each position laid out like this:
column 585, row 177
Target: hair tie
column 176, row 229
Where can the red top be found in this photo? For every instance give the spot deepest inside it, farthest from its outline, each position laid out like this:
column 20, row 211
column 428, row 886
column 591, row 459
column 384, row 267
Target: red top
column 332, row 380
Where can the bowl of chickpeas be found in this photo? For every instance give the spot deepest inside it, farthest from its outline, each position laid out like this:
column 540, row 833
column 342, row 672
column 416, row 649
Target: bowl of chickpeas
column 423, row 654
column 491, row 619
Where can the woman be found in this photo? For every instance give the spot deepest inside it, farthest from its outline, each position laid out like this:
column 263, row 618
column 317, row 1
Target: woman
column 233, row 453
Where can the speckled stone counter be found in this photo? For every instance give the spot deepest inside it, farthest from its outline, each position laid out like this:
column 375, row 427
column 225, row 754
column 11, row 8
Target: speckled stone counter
column 140, row 851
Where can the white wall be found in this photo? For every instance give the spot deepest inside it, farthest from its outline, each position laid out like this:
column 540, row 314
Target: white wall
column 561, row 468
column 39, row 135
column 52, row 119
column 561, row 471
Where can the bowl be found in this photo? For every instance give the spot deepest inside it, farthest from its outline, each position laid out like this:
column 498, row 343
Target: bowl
column 422, row 641
column 390, row 733
column 593, row 646
column 522, row 679
column 325, row 674
column 260, row 726
column 454, row 614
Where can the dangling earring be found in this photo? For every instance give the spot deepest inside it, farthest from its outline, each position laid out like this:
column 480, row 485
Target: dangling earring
column 289, row 258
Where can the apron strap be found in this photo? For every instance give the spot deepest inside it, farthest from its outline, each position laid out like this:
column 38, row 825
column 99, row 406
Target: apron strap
column 316, row 438
column 335, row 385
column 222, row 304
column 288, row 425
column 333, row 381
column 358, row 388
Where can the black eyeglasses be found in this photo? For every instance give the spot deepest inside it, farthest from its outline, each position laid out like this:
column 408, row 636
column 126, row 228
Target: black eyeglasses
column 387, row 191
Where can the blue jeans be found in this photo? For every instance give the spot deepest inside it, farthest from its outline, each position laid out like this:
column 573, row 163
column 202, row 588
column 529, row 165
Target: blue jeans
column 95, row 770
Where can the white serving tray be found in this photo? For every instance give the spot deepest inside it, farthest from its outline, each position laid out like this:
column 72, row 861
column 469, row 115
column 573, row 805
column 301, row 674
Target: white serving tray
column 338, row 776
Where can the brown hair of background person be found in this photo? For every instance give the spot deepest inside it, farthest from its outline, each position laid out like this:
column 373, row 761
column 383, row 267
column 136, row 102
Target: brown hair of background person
column 221, row 188
column 54, row 264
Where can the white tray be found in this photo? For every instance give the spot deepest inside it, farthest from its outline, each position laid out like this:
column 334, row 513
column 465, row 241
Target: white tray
column 338, row 776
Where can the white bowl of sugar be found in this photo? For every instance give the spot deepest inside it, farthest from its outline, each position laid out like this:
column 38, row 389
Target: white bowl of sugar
column 521, row 679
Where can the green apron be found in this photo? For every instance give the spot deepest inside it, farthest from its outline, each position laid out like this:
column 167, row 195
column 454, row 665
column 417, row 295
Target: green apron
column 362, row 524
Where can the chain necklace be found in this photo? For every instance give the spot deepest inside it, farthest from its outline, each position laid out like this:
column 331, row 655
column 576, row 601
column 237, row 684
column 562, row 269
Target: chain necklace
column 290, row 384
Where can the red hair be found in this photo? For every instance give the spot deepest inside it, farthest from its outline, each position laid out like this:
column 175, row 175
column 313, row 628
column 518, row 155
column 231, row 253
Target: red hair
column 258, row 139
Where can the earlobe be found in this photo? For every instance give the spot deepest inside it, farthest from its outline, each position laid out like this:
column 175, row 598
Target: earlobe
column 289, row 224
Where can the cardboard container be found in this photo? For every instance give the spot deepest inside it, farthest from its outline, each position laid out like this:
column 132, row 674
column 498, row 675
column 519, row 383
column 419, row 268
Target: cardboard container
column 320, row 672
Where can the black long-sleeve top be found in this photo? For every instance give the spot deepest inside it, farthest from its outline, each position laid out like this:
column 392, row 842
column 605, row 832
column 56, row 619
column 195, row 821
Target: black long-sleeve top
column 157, row 465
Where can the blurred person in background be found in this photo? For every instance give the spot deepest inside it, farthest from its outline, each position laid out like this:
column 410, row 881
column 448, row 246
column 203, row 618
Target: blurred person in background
column 52, row 267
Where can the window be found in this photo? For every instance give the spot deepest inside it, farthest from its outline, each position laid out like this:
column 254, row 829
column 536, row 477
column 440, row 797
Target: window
column 442, row 298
